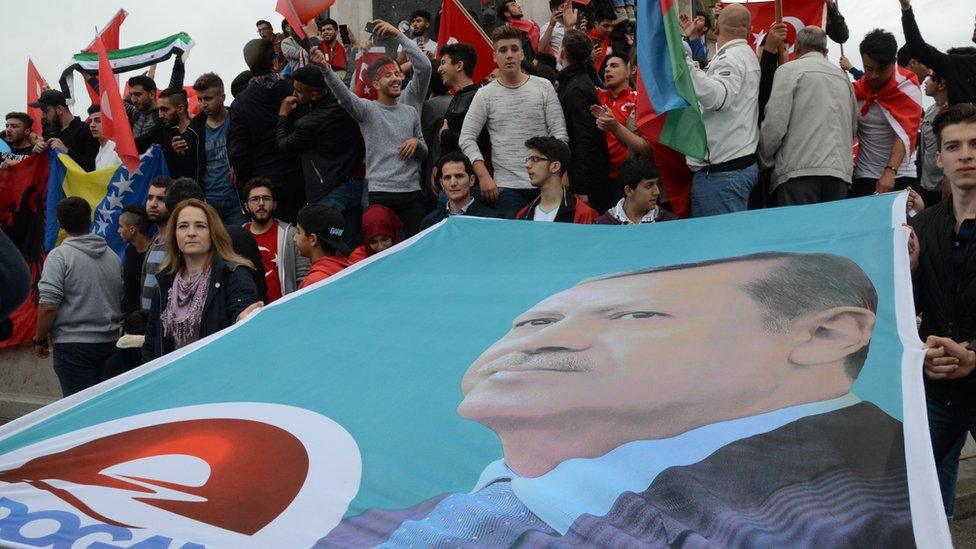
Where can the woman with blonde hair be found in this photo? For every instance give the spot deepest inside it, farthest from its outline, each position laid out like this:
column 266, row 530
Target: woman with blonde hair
column 202, row 285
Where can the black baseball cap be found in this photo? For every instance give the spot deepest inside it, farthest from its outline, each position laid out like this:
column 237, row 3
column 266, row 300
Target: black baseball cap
column 50, row 98
column 325, row 223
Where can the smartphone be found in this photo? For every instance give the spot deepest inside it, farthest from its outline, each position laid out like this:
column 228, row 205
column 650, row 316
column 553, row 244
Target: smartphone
column 344, row 34
column 370, row 27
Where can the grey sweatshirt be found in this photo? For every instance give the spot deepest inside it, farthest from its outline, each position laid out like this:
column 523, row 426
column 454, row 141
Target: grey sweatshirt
column 384, row 127
column 512, row 116
column 84, row 277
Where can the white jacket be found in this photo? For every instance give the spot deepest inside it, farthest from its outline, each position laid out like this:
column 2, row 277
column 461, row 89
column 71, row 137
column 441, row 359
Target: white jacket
column 810, row 123
column 728, row 93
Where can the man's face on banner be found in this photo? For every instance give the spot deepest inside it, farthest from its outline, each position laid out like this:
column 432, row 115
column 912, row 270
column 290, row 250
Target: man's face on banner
column 631, row 350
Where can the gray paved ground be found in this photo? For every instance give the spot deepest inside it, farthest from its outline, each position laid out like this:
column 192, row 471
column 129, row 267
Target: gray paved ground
column 963, row 528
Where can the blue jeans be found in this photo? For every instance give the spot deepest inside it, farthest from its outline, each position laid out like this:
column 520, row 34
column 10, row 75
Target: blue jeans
column 948, row 425
column 79, row 365
column 346, row 196
column 510, row 201
column 718, row 193
column 230, row 211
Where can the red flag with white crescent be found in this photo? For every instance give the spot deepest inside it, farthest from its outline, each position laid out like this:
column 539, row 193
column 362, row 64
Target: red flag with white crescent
column 115, row 122
column 110, row 37
column 796, row 14
column 458, row 26
column 35, row 86
column 299, row 12
column 110, row 32
column 363, row 86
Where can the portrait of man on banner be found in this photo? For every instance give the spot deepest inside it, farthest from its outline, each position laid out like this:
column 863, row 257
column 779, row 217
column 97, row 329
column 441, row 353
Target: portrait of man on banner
column 688, row 405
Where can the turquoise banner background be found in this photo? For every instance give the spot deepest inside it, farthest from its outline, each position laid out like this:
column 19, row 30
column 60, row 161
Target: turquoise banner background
column 382, row 351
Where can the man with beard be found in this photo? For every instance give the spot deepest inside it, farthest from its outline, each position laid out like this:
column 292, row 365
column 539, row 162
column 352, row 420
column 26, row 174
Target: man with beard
column 284, row 268
column 419, row 26
column 327, row 140
column 17, row 134
column 158, row 215
column 64, row 132
column 141, row 106
column 174, row 135
column 335, row 51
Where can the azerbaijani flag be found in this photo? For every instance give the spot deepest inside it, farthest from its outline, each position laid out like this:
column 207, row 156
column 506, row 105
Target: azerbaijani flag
column 667, row 107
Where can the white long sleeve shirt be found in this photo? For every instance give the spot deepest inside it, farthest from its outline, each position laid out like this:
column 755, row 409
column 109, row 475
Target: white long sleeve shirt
column 728, row 93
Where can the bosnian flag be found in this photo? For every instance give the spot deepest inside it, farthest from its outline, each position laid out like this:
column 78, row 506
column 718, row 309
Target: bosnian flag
column 299, row 12
column 900, row 101
column 667, row 107
column 35, row 86
column 115, row 122
column 458, row 26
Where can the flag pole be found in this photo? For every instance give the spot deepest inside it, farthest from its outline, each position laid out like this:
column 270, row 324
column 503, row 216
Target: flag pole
column 783, row 56
column 837, row 5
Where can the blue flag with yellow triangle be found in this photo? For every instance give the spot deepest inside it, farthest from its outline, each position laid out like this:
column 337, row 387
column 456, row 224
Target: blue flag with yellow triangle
column 108, row 191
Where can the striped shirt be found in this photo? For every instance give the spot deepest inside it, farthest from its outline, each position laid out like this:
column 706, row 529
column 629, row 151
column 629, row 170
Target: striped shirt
column 154, row 258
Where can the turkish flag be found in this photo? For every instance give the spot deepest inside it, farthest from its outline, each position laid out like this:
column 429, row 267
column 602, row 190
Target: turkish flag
column 110, row 33
column 110, row 37
column 364, row 88
column 115, row 122
column 458, row 26
column 35, row 85
column 796, row 14
column 299, row 12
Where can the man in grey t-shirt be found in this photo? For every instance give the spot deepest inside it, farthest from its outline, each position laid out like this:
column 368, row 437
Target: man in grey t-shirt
column 395, row 146
column 514, row 108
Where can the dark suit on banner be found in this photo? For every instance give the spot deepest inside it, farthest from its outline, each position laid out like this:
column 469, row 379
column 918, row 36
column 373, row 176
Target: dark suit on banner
column 831, row 480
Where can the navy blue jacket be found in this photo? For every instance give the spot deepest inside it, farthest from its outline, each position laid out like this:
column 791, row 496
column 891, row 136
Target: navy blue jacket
column 231, row 291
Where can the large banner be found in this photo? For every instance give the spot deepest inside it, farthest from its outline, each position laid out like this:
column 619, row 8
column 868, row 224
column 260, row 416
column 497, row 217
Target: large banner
column 748, row 380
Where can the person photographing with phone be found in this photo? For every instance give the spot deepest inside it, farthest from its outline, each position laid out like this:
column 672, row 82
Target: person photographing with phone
column 174, row 135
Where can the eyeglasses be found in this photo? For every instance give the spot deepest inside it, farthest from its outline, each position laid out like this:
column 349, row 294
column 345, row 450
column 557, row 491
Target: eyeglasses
column 536, row 159
column 257, row 199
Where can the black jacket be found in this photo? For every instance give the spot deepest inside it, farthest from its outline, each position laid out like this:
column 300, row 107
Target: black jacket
column 82, row 146
column 180, row 165
column 959, row 71
column 245, row 246
column 946, row 301
column 590, row 169
column 329, row 143
column 454, row 116
column 476, row 209
column 231, row 291
column 251, row 144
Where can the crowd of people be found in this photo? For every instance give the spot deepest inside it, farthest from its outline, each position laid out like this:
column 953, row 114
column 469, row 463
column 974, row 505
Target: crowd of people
column 301, row 176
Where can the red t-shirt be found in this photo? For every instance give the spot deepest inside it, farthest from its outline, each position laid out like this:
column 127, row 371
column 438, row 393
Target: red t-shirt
column 622, row 107
column 324, row 268
column 268, row 246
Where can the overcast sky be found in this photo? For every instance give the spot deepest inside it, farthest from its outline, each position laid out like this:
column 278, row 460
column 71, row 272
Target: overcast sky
column 52, row 33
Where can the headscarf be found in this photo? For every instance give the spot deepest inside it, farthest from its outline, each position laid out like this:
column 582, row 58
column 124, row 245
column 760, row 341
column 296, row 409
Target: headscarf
column 380, row 221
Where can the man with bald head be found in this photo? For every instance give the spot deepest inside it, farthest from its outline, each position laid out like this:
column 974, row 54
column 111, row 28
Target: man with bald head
column 728, row 94
column 703, row 404
column 808, row 132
